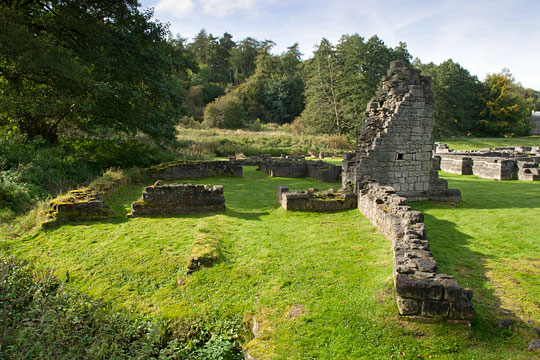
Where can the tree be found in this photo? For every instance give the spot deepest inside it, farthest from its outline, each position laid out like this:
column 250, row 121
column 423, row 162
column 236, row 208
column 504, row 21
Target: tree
column 323, row 110
column 458, row 99
column 340, row 81
column 506, row 112
column 225, row 112
column 85, row 65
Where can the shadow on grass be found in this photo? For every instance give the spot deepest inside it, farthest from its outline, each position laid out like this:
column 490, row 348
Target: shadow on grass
column 450, row 248
column 246, row 215
column 489, row 194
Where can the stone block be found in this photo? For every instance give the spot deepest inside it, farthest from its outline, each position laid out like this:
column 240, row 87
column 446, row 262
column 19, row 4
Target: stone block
column 409, row 286
column 408, row 306
column 435, row 308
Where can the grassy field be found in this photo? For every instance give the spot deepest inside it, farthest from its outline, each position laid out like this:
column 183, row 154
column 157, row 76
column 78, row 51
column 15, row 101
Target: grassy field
column 319, row 285
column 468, row 143
column 209, row 143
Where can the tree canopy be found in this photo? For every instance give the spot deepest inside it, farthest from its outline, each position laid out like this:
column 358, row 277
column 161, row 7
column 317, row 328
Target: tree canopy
column 86, row 65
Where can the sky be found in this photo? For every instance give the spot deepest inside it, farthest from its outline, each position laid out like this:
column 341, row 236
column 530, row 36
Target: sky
column 484, row 36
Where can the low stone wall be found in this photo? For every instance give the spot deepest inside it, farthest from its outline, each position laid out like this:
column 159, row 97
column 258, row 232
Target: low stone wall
column 314, row 200
column 508, row 163
column 528, row 171
column 495, row 168
column 420, row 291
column 196, row 170
column 174, row 199
column 318, row 170
column 79, row 205
column 254, row 160
column 460, row 165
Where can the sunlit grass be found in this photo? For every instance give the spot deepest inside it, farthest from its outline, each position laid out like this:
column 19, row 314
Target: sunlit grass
column 320, row 285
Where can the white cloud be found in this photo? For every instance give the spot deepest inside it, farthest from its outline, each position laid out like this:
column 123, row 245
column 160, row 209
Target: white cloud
column 221, row 8
column 211, row 8
column 178, row 8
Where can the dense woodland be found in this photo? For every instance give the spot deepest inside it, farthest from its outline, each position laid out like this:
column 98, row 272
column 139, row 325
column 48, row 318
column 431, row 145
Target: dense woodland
column 87, row 85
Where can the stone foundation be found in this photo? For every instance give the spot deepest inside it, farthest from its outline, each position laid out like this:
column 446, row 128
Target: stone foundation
column 293, row 168
column 174, row 199
column 314, row 200
column 79, row 205
column 196, row 170
column 510, row 163
column 421, row 292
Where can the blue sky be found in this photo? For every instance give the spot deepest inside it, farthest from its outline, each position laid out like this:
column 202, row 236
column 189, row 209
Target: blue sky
column 484, row 36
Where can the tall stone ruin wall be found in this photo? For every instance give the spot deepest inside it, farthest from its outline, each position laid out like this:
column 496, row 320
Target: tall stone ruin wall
column 396, row 142
column 420, row 290
column 196, row 170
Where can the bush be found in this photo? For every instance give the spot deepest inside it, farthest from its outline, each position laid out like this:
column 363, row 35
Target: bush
column 32, row 170
column 43, row 321
column 226, row 112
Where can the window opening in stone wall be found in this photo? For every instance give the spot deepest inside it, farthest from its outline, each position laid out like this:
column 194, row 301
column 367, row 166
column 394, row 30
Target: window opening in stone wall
column 399, row 156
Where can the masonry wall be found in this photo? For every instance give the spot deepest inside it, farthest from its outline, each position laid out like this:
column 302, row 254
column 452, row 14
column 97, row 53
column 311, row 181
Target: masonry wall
column 420, row 290
column 313, row 200
column 173, row 199
column 396, row 141
column 509, row 163
column 196, row 170
column 535, row 123
column 293, row 168
column 79, row 205
column 460, row 165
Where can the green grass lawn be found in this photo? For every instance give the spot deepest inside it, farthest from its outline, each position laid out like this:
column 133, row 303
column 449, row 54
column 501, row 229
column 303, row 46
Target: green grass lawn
column 468, row 143
column 319, row 285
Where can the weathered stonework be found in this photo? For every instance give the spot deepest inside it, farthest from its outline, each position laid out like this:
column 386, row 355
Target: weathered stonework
column 396, row 141
column 174, row 199
column 535, row 123
column 510, row 163
column 287, row 167
column 314, row 200
column 254, row 160
column 420, row 290
column 79, row 205
column 196, row 170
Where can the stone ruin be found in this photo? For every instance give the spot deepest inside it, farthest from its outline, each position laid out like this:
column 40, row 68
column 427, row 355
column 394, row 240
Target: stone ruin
column 314, row 200
column 79, row 205
column 396, row 142
column 421, row 292
column 298, row 167
column 253, row 160
column 508, row 163
column 394, row 164
column 195, row 170
column 535, row 123
column 175, row 199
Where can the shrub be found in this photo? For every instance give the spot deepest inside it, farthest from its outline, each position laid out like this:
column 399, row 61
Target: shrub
column 226, row 112
column 42, row 320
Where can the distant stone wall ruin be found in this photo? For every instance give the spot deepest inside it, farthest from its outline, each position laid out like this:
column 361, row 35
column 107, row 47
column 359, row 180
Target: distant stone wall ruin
column 509, row 163
column 175, row 199
column 396, row 141
column 314, row 200
column 294, row 168
column 195, row 170
column 420, row 290
column 535, row 123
